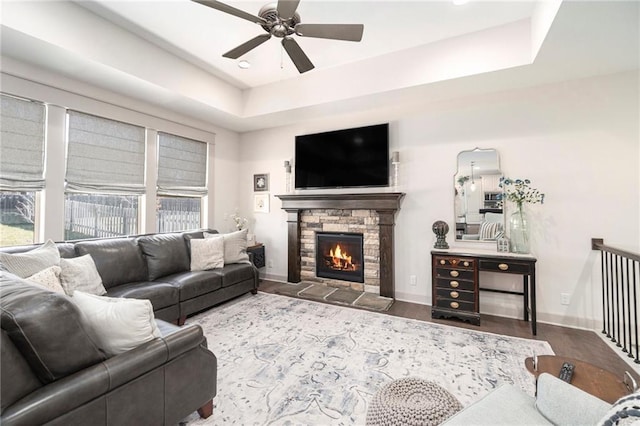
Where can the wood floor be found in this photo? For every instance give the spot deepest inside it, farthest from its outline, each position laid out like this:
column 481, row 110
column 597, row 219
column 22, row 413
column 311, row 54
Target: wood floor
column 579, row 344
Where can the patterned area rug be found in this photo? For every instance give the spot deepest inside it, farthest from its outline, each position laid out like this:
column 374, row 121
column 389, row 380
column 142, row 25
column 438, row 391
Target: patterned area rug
column 290, row 361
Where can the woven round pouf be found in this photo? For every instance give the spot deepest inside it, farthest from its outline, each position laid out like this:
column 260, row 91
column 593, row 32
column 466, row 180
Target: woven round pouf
column 411, row 401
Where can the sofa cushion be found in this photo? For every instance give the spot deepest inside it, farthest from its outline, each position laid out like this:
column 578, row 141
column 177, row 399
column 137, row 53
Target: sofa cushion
column 118, row 260
column 165, row 254
column 118, row 324
column 207, row 253
column 18, row 379
column 235, row 273
column 194, row 284
column 80, row 273
column 235, row 246
column 49, row 278
column 47, row 329
column 160, row 294
column 28, row 263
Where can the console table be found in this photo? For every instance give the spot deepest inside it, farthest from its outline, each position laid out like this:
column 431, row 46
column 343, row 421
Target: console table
column 456, row 284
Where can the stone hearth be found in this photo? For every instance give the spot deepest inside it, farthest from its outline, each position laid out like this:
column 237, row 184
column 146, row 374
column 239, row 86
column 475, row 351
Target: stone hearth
column 373, row 215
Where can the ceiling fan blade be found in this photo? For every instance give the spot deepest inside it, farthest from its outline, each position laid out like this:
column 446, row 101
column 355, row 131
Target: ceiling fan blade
column 286, row 8
column 300, row 60
column 245, row 47
column 348, row 32
column 231, row 10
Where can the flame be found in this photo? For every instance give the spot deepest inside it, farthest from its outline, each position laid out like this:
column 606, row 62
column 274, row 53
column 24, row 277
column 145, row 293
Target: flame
column 341, row 260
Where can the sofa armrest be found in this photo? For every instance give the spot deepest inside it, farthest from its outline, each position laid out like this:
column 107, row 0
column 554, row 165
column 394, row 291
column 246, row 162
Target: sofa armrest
column 563, row 404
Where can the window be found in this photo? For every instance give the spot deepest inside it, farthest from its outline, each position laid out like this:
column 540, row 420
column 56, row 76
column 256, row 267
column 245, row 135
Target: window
column 21, row 168
column 178, row 213
column 104, row 177
column 17, row 224
column 182, row 180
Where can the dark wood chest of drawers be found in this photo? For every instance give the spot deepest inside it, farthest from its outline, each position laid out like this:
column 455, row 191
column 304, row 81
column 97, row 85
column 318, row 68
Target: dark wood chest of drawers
column 455, row 288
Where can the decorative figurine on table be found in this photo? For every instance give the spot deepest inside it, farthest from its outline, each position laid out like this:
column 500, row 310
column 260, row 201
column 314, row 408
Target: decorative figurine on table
column 440, row 228
column 503, row 244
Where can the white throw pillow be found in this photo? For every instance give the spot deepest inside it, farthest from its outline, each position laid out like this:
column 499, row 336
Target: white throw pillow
column 80, row 273
column 49, row 278
column 207, row 253
column 28, row 263
column 235, row 246
column 117, row 324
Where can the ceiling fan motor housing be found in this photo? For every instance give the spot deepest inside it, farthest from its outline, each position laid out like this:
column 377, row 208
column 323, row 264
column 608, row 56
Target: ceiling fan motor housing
column 275, row 25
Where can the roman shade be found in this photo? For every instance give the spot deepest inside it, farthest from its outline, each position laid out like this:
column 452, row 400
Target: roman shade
column 104, row 156
column 182, row 166
column 22, row 147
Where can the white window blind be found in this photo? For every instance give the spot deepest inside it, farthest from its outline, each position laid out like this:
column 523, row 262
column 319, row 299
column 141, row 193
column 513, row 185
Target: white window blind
column 182, row 166
column 21, row 145
column 104, row 156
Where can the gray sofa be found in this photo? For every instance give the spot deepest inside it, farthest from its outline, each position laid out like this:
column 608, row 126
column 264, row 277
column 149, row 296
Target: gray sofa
column 53, row 372
column 157, row 267
column 556, row 403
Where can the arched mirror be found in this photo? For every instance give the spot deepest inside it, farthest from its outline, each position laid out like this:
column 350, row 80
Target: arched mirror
column 478, row 205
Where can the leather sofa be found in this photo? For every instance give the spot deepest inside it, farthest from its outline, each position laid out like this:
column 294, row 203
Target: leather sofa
column 52, row 371
column 157, row 267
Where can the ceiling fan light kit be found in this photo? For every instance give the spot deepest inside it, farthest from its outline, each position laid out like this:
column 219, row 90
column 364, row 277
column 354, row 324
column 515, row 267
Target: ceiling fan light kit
column 282, row 21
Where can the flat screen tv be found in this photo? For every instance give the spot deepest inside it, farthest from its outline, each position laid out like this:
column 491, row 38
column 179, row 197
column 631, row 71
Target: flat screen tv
column 346, row 158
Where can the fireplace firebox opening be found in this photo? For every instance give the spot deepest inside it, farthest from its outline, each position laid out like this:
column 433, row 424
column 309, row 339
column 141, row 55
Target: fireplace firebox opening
column 340, row 256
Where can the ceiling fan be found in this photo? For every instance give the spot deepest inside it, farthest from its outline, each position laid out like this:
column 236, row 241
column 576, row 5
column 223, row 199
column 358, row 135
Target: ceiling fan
column 281, row 20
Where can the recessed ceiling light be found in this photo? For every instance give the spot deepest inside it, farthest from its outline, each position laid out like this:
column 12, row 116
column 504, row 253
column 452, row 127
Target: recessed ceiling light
column 460, row 2
column 244, row 64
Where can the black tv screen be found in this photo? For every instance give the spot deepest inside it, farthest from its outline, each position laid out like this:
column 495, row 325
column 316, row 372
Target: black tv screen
column 356, row 157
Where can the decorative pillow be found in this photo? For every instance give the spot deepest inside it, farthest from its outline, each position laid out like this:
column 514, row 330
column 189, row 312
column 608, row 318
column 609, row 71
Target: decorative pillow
column 117, row 323
column 626, row 411
column 80, row 273
column 49, row 278
column 235, row 246
column 491, row 230
column 28, row 263
column 207, row 253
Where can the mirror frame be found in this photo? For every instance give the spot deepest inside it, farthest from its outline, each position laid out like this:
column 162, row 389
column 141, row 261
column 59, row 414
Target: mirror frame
column 462, row 185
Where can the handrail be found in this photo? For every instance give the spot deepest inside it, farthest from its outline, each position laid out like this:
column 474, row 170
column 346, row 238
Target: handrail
column 598, row 244
column 620, row 289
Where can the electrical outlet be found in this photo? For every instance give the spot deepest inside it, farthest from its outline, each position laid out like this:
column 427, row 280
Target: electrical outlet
column 413, row 280
column 565, row 298
column 270, row 264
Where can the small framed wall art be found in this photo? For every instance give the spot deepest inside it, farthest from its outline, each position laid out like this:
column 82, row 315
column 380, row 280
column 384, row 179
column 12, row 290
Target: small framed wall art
column 261, row 182
column 261, row 203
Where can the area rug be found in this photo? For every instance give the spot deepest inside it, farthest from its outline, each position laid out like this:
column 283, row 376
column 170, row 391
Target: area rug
column 286, row 361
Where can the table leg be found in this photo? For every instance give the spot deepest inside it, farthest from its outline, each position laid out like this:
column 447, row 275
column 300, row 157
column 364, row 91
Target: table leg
column 525, row 293
column 533, row 302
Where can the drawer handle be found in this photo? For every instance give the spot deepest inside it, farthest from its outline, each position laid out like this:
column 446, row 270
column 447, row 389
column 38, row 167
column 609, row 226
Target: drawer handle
column 455, row 294
column 503, row 266
column 454, row 273
column 454, row 305
column 466, row 263
column 442, row 262
column 454, row 284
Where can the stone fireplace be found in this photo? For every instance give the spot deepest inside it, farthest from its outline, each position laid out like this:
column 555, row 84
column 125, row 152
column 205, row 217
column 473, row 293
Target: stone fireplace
column 371, row 215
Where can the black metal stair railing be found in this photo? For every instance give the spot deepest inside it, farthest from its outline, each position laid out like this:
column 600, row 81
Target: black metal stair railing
column 620, row 289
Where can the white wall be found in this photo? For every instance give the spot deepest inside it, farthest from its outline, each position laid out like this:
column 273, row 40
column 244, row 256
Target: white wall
column 577, row 141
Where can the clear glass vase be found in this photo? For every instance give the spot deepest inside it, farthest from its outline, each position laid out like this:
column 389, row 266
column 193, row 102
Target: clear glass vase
column 519, row 232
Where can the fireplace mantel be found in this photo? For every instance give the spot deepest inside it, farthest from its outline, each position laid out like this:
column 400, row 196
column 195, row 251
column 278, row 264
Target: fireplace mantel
column 386, row 204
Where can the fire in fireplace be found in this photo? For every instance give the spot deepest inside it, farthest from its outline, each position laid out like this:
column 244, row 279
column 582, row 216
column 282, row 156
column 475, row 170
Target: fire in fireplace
column 340, row 256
